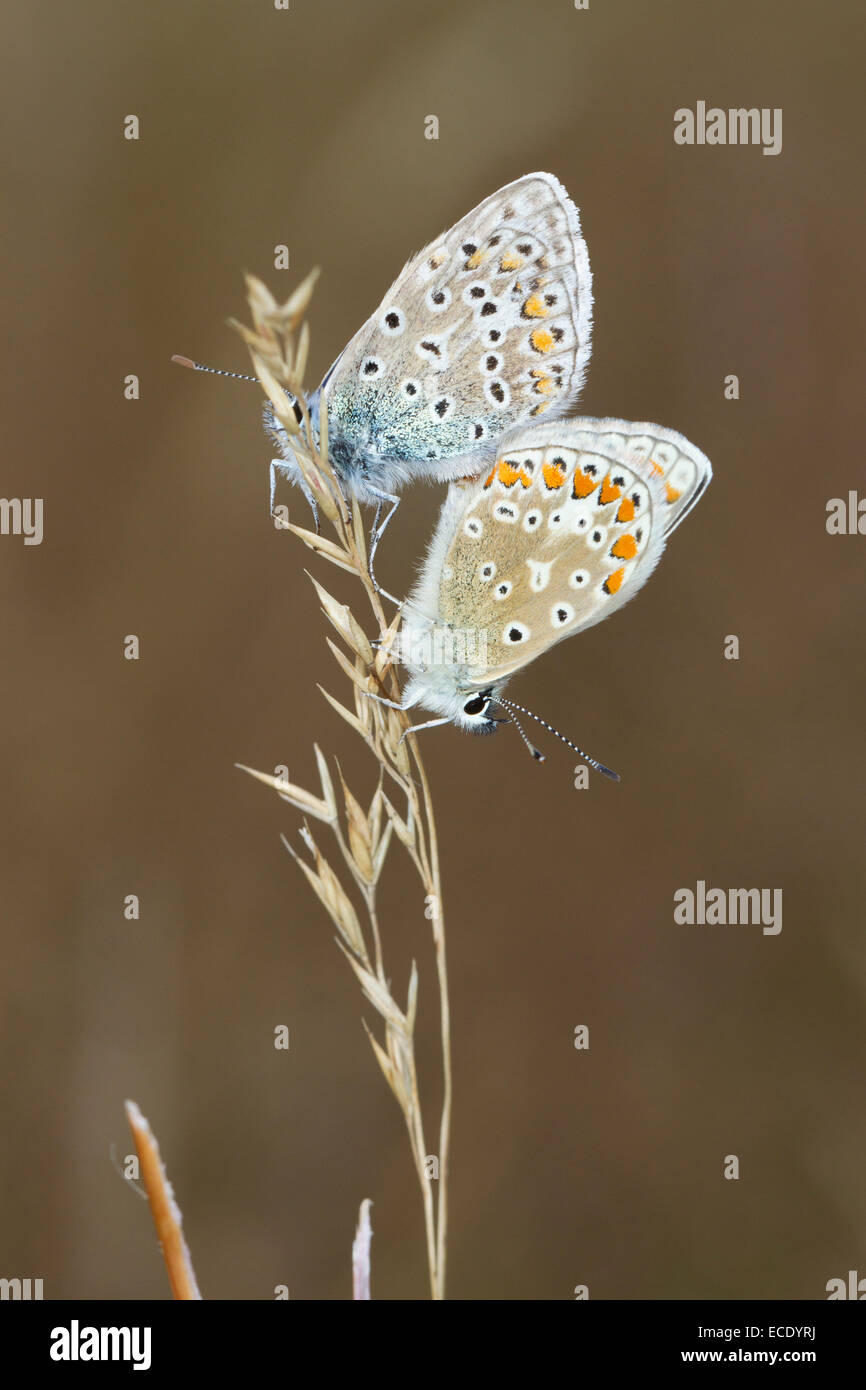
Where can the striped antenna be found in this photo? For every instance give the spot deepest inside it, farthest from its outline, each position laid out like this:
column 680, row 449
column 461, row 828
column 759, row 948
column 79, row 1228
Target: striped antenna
column 217, row 371
column 238, row 376
column 510, row 706
column 512, row 719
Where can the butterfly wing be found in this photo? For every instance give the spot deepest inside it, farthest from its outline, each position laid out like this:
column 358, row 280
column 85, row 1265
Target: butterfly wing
column 486, row 328
column 567, row 526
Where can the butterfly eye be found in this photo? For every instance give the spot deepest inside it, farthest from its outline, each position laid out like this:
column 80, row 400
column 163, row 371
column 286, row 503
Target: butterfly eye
column 476, row 706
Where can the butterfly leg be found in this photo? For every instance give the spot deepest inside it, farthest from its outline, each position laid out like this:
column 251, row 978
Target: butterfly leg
column 413, row 728
column 377, row 532
column 392, row 704
column 431, row 724
column 293, row 473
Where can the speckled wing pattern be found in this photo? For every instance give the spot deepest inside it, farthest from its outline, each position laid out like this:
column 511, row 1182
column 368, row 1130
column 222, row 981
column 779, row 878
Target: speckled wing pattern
column 486, row 328
column 566, row 527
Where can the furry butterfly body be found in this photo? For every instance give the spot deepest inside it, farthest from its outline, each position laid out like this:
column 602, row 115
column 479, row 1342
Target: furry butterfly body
column 565, row 528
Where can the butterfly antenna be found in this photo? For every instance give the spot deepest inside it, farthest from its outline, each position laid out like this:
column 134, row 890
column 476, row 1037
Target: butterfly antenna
column 599, row 767
column 512, row 719
column 217, row 371
column 238, row 376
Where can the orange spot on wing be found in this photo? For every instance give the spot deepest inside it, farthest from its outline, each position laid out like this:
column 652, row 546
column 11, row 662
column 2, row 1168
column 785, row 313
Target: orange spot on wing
column 624, row 549
column 511, row 473
column 541, row 339
column 672, row 493
column 491, row 476
column 609, row 492
column 626, row 510
column 583, row 484
column 543, row 385
column 510, row 261
column 656, row 469
column 476, row 259
column 553, row 475
column 613, row 581
column 535, row 308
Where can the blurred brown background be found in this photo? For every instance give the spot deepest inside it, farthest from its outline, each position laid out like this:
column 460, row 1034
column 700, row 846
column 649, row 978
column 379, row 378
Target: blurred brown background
column 306, row 127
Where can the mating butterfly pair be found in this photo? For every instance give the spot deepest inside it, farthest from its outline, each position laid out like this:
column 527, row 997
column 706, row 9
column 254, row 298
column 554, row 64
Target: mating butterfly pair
column 461, row 375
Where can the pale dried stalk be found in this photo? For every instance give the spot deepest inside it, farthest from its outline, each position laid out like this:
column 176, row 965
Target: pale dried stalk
column 279, row 344
column 164, row 1208
column 361, row 1254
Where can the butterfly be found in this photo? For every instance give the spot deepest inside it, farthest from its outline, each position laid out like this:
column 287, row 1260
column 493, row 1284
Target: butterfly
column 565, row 528
column 485, row 330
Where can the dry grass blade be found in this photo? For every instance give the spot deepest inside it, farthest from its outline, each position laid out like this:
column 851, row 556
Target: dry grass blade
column 333, row 897
column 279, row 344
column 323, row 546
column 360, row 834
column 360, row 538
column 389, row 1071
column 361, row 1253
column 357, row 673
column 299, row 301
column 404, row 834
column 340, row 617
column 164, row 1208
column 350, row 719
column 303, row 800
column 380, row 997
